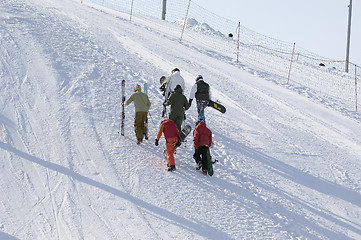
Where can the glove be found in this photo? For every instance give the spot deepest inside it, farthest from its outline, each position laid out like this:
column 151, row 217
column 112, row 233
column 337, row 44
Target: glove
column 156, row 142
column 190, row 102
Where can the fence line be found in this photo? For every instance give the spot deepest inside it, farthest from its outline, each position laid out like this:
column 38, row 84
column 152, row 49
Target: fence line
column 176, row 11
column 212, row 31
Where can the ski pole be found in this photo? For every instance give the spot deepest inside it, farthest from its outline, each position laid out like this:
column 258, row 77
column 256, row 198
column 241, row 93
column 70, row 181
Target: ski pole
column 152, row 120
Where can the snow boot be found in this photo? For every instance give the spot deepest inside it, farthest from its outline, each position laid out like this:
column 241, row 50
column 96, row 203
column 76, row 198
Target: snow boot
column 199, row 165
column 171, row 168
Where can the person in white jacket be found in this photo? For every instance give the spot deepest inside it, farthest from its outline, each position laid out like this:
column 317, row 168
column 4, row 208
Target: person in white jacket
column 172, row 81
column 169, row 84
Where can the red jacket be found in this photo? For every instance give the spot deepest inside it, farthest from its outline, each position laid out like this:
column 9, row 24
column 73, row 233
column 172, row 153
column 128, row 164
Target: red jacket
column 169, row 128
column 202, row 136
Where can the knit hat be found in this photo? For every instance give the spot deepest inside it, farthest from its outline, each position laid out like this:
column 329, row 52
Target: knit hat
column 199, row 77
column 175, row 70
column 137, row 87
column 178, row 87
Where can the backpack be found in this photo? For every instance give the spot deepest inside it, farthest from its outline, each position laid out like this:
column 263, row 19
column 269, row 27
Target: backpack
column 202, row 92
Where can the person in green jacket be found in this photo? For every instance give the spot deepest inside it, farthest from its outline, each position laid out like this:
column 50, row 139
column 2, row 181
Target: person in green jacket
column 178, row 105
column 141, row 105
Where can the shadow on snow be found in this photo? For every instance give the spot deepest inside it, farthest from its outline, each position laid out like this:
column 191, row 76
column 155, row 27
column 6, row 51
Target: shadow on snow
column 199, row 228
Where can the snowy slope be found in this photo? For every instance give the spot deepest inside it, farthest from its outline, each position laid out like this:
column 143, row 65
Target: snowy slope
column 289, row 163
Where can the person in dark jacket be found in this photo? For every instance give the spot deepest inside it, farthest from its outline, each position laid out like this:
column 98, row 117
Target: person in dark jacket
column 171, row 133
column 179, row 104
column 201, row 91
column 202, row 141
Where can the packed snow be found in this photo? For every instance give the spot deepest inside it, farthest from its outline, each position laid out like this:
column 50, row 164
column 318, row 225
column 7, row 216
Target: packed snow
column 289, row 160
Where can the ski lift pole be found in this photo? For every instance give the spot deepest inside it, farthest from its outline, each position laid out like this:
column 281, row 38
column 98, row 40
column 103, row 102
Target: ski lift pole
column 348, row 36
column 131, row 11
column 164, row 9
column 185, row 19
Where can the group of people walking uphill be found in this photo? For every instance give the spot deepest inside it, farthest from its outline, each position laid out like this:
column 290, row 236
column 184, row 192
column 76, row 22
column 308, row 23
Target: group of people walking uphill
column 173, row 88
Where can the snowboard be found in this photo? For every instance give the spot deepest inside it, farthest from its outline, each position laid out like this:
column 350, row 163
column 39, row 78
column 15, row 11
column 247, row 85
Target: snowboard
column 216, row 106
column 184, row 133
column 210, row 163
column 163, row 84
column 146, row 120
column 182, row 136
column 163, row 88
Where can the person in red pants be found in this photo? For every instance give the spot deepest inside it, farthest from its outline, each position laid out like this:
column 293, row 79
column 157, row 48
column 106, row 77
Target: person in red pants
column 169, row 128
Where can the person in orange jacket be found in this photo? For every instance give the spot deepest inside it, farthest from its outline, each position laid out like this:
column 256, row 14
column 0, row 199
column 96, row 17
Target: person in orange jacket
column 169, row 128
column 202, row 141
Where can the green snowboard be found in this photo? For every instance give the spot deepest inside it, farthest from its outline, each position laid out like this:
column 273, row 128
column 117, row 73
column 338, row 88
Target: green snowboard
column 210, row 164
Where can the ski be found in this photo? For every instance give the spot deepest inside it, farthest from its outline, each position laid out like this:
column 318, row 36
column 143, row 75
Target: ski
column 146, row 120
column 123, row 114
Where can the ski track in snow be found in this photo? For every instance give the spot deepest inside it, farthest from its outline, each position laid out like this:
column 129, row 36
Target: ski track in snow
column 288, row 166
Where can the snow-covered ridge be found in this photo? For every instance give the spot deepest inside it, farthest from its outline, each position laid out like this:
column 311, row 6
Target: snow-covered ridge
column 194, row 25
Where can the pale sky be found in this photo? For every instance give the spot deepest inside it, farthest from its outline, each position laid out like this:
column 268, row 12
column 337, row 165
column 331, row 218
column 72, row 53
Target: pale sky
column 319, row 26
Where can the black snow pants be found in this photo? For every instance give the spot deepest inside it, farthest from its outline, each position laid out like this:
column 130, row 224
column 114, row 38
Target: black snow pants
column 201, row 154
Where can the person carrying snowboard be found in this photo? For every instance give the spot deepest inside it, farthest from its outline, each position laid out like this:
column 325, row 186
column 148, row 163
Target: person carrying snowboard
column 201, row 91
column 202, row 141
column 169, row 83
column 172, row 81
column 170, row 131
column 141, row 105
column 178, row 105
